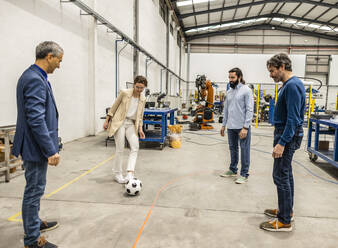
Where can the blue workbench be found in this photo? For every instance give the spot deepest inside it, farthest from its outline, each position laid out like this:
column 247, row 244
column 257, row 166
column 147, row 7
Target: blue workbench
column 321, row 127
column 158, row 117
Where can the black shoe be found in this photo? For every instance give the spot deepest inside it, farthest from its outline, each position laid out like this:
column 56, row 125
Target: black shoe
column 41, row 243
column 47, row 226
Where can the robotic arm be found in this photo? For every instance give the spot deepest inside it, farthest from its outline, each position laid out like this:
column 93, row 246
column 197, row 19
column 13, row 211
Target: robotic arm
column 205, row 91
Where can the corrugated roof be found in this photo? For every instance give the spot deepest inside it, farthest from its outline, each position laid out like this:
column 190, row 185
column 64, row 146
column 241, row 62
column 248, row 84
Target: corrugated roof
column 205, row 18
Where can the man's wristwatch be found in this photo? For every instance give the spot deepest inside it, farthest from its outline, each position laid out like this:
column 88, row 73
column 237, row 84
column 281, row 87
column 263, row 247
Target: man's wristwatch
column 245, row 128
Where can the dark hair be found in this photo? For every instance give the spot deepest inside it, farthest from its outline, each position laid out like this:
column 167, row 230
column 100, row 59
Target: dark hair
column 47, row 47
column 280, row 59
column 239, row 74
column 140, row 80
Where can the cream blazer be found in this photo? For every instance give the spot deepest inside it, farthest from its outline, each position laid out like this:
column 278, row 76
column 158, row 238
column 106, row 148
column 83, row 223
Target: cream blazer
column 119, row 111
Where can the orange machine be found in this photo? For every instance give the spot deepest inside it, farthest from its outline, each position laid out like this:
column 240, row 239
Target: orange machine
column 204, row 113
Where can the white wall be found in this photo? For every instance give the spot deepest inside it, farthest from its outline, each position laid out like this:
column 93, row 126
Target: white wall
column 333, row 83
column 253, row 66
column 216, row 67
column 85, row 84
column 333, row 77
column 152, row 30
column 272, row 42
column 283, row 42
column 25, row 24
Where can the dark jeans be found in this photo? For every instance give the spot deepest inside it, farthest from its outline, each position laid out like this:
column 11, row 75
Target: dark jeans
column 233, row 138
column 35, row 174
column 282, row 174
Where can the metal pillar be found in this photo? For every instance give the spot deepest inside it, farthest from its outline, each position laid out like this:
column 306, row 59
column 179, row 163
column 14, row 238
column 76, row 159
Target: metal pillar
column 180, row 69
column 117, row 68
column 92, row 72
column 146, row 66
column 188, row 75
column 167, row 52
column 136, row 28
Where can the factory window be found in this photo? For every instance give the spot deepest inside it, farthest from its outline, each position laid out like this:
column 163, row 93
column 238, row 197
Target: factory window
column 178, row 39
column 163, row 10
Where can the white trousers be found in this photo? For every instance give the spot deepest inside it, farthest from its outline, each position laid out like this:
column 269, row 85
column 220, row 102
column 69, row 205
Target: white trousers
column 126, row 130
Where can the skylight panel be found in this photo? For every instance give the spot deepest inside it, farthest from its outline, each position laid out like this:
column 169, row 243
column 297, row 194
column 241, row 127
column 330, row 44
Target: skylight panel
column 190, row 2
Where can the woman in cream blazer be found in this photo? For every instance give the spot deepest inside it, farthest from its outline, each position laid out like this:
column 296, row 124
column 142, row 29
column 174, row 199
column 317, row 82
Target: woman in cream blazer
column 125, row 119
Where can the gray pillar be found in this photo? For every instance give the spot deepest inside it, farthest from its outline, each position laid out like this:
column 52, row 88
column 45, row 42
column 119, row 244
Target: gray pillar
column 188, row 75
column 136, row 29
column 92, row 72
column 167, row 54
column 180, row 68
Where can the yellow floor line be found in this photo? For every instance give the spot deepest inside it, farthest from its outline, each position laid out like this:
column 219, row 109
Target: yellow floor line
column 14, row 217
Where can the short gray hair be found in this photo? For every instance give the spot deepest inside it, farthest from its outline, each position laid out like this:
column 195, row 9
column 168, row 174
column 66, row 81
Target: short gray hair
column 46, row 47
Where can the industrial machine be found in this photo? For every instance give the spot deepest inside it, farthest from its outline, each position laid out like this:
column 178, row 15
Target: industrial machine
column 154, row 98
column 204, row 113
column 264, row 108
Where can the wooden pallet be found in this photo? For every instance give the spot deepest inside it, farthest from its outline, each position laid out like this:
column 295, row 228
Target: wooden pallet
column 8, row 163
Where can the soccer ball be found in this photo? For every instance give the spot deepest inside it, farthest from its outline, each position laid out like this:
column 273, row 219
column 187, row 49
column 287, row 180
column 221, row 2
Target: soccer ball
column 133, row 187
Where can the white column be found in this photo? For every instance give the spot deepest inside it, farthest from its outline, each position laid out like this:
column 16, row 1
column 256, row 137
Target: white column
column 92, row 72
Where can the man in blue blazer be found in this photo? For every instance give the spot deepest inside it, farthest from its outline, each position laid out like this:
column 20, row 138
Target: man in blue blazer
column 36, row 138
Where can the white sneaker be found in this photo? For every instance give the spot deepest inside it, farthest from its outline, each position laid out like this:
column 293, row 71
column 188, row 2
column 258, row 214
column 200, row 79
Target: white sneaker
column 128, row 177
column 119, row 178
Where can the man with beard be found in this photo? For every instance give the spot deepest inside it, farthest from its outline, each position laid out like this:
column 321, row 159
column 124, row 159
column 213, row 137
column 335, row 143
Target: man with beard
column 238, row 112
column 288, row 135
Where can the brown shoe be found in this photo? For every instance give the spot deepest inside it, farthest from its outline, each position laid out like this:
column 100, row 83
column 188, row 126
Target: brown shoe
column 41, row 243
column 276, row 226
column 273, row 213
column 47, row 226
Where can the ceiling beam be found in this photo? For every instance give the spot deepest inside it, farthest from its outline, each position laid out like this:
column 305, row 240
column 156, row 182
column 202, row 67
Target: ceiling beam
column 221, row 18
column 247, row 13
column 265, row 27
column 271, row 15
column 248, row 45
column 322, row 4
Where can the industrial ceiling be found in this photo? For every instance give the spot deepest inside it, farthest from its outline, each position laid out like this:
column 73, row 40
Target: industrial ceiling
column 206, row 18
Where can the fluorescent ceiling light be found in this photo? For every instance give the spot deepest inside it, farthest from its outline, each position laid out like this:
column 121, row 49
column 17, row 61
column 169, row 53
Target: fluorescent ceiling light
column 313, row 26
column 278, row 19
column 290, row 21
column 190, row 2
column 302, row 24
column 287, row 21
column 226, row 25
column 326, row 28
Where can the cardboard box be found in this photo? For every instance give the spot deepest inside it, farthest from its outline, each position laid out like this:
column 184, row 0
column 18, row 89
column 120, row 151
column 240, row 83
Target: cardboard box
column 323, row 145
column 2, row 156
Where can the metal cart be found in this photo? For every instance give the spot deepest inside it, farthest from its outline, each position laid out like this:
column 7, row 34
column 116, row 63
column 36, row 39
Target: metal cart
column 322, row 127
column 160, row 118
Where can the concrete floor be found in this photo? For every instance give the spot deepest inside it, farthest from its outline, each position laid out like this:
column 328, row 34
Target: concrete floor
column 195, row 207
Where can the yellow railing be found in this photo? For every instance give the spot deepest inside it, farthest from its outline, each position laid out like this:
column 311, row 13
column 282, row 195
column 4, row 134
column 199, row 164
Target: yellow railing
column 309, row 106
column 276, row 94
column 257, row 104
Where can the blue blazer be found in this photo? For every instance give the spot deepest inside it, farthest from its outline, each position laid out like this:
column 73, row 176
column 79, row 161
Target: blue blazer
column 36, row 136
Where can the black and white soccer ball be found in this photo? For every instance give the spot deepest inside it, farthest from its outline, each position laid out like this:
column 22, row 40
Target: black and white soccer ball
column 133, row 186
